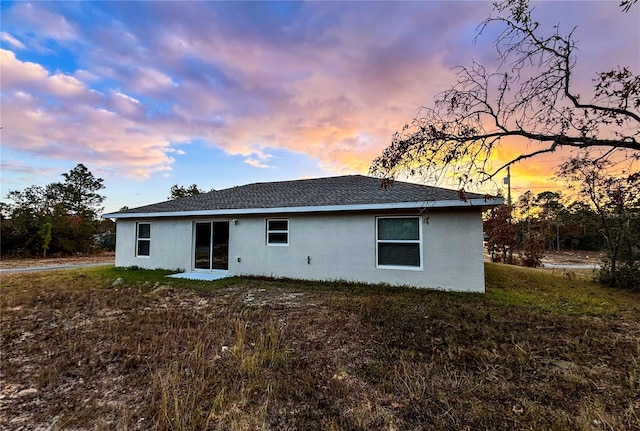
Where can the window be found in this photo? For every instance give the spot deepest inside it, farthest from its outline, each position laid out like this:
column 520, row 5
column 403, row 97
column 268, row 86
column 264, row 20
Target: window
column 143, row 239
column 398, row 242
column 278, row 232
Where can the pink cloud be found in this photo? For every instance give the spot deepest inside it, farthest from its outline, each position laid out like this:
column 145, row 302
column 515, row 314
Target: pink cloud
column 76, row 129
column 322, row 94
column 148, row 80
column 126, row 105
column 15, row 72
column 24, row 169
column 333, row 83
column 65, row 85
column 43, row 21
column 32, row 77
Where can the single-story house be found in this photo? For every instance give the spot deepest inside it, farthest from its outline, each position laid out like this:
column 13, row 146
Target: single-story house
column 354, row 228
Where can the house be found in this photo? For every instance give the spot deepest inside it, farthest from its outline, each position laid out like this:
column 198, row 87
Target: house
column 337, row 228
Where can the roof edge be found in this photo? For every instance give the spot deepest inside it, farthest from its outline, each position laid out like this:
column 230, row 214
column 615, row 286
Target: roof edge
column 484, row 203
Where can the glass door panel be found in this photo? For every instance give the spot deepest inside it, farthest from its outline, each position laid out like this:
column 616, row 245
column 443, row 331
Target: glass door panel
column 220, row 245
column 203, row 246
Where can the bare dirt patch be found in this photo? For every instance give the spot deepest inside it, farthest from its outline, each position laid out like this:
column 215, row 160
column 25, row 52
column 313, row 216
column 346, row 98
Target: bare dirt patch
column 571, row 257
column 106, row 257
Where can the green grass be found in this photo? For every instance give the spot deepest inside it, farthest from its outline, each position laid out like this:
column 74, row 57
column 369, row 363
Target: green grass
column 561, row 292
column 565, row 292
column 538, row 351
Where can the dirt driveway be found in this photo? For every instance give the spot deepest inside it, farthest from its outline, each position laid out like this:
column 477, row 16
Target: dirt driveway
column 53, row 262
column 567, row 259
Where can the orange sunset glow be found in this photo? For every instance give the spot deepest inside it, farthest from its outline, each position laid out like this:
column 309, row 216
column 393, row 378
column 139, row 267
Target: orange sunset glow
column 222, row 94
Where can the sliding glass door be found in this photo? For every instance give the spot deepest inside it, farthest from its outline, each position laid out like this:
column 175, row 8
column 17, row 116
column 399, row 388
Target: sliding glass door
column 211, row 245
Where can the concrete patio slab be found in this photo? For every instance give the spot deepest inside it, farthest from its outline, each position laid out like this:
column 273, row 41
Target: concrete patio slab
column 203, row 276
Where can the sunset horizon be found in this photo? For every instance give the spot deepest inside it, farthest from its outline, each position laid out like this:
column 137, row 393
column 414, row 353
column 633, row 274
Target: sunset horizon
column 148, row 95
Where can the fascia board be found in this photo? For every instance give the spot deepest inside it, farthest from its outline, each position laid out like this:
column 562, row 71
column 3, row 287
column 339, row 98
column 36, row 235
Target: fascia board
column 314, row 209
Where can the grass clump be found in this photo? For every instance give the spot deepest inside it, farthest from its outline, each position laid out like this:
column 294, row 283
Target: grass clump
column 538, row 351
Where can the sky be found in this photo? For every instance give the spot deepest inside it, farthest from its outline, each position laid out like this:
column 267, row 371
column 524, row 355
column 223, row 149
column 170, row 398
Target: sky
column 218, row 94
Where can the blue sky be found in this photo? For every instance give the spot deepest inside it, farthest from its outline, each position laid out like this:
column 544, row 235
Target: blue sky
column 151, row 94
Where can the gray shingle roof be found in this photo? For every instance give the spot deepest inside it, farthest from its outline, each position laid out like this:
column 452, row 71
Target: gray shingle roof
column 332, row 191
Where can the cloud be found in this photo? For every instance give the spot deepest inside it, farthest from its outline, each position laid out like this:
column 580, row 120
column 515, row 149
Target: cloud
column 331, row 81
column 86, row 76
column 6, row 37
column 36, row 18
column 23, row 168
column 65, row 85
column 126, row 105
column 33, row 78
column 16, row 73
column 81, row 125
column 16, row 173
column 307, row 89
column 256, row 163
column 148, row 80
column 258, row 160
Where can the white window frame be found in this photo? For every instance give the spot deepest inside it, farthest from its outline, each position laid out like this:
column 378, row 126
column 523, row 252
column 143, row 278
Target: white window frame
column 138, row 239
column 399, row 241
column 268, row 231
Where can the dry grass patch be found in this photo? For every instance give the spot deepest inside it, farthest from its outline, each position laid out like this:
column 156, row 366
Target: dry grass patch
column 246, row 354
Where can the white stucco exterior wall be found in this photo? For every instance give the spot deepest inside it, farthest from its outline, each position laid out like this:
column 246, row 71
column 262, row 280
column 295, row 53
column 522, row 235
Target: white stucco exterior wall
column 340, row 247
column 170, row 246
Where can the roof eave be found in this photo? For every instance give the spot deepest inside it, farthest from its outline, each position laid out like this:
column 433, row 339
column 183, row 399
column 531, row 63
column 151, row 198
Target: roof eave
column 482, row 202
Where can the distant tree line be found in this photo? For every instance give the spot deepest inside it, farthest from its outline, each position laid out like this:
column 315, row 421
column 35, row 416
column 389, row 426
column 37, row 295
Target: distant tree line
column 61, row 218
column 178, row 192
column 603, row 214
column 540, row 223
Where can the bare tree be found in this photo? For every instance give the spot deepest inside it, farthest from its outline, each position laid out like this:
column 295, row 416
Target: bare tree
column 531, row 97
column 614, row 197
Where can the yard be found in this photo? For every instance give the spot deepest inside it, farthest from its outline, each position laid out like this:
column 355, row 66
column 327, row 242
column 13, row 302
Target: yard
column 107, row 348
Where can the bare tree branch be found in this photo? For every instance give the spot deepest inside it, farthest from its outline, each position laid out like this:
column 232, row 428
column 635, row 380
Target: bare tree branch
column 530, row 97
column 626, row 4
